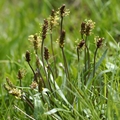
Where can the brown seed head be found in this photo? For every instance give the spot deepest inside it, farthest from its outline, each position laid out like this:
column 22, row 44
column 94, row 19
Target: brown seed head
column 99, row 42
column 36, row 42
column 34, row 85
column 88, row 30
column 62, row 38
column 21, row 74
column 35, row 37
column 16, row 92
column 62, row 10
column 80, row 45
column 46, row 53
column 27, row 56
column 52, row 19
column 83, row 27
column 53, row 13
column 89, row 27
column 44, row 29
column 86, row 27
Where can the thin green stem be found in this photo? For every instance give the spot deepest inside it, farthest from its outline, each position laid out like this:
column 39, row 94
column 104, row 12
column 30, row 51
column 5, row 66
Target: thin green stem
column 65, row 64
column 52, row 74
column 54, row 59
column 35, row 77
column 79, row 82
column 105, row 88
column 40, row 75
column 31, row 68
column 42, row 57
column 88, row 55
column 87, row 59
column 94, row 61
column 85, row 64
column 38, row 70
column 78, row 54
column 49, row 82
column 64, row 58
column 20, row 82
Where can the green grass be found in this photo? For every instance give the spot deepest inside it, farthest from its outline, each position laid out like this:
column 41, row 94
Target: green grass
column 69, row 98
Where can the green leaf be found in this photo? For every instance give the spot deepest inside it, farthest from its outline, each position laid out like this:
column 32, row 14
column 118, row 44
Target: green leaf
column 53, row 111
column 38, row 107
column 89, row 82
column 113, row 40
column 59, row 80
column 61, row 94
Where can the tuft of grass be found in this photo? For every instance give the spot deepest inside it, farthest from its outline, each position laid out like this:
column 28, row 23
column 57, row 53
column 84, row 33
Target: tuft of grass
column 63, row 80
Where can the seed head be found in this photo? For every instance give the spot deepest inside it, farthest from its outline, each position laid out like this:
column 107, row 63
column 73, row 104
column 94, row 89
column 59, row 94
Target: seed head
column 52, row 18
column 20, row 74
column 99, row 42
column 80, row 45
column 12, row 89
column 83, row 28
column 35, row 40
column 34, row 85
column 46, row 53
column 62, row 10
column 27, row 56
column 8, row 88
column 44, row 29
column 86, row 27
column 53, row 13
column 16, row 92
column 89, row 27
column 10, row 83
column 62, row 38
column 37, row 61
column 88, row 30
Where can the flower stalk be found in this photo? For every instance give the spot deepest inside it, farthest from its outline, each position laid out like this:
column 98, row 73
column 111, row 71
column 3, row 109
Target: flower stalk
column 86, row 30
column 28, row 59
column 98, row 45
column 62, row 38
column 44, row 32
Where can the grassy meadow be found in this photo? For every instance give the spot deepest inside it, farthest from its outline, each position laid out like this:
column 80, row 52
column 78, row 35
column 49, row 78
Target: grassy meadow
column 60, row 64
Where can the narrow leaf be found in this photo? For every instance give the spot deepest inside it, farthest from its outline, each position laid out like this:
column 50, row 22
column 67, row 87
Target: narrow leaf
column 89, row 82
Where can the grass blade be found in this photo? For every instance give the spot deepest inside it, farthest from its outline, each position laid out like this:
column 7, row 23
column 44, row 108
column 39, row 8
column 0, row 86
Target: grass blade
column 89, row 82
